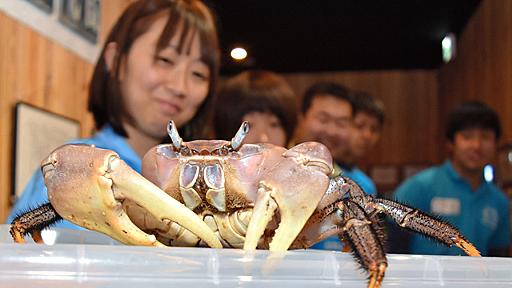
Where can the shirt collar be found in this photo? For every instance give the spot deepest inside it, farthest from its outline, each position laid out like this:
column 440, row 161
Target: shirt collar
column 448, row 166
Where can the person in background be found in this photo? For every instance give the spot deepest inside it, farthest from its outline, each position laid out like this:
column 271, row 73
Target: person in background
column 159, row 63
column 368, row 123
column 262, row 98
column 326, row 116
column 457, row 190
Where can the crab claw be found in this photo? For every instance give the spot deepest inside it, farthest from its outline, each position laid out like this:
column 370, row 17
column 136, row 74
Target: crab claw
column 293, row 187
column 86, row 186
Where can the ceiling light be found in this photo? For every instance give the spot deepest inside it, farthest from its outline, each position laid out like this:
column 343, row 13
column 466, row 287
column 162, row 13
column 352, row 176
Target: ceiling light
column 238, row 53
column 449, row 47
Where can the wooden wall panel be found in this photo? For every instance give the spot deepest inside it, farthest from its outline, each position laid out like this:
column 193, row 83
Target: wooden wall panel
column 483, row 66
column 112, row 9
column 411, row 101
column 40, row 72
column 35, row 70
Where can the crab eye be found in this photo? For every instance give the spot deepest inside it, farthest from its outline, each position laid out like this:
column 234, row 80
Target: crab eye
column 185, row 151
column 222, row 151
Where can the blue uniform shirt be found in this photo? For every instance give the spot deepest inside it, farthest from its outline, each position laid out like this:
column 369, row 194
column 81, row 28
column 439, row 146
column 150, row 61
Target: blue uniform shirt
column 482, row 216
column 35, row 193
column 333, row 242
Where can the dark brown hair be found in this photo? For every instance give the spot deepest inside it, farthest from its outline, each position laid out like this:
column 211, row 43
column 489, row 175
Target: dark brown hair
column 472, row 114
column 105, row 98
column 325, row 88
column 364, row 102
column 254, row 91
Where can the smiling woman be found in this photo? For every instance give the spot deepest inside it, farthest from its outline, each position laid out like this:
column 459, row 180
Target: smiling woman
column 159, row 63
column 161, row 50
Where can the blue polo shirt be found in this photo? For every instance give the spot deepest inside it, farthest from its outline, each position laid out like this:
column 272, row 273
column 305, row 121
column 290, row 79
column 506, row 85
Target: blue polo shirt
column 35, row 192
column 333, row 242
column 482, row 216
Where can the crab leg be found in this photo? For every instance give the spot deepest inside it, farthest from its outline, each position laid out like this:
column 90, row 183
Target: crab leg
column 364, row 240
column 411, row 218
column 324, row 221
column 425, row 224
column 33, row 222
column 264, row 211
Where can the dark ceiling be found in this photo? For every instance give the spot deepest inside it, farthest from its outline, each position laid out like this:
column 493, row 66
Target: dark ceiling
column 338, row 35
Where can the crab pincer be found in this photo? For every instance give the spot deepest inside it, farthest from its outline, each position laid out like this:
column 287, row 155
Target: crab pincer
column 90, row 192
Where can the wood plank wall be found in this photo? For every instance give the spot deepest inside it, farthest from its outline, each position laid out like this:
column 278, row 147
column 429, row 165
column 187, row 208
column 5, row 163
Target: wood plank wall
column 482, row 68
column 40, row 72
column 35, row 70
column 410, row 97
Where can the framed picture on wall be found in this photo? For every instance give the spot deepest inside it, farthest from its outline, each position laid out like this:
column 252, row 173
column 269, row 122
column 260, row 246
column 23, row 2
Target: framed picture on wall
column 37, row 133
column 45, row 5
column 82, row 16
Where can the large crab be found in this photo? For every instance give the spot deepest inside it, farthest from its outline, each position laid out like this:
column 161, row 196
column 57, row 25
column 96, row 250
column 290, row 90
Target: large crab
column 223, row 194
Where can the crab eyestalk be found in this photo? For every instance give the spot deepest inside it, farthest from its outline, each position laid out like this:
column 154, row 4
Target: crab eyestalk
column 236, row 142
column 174, row 135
